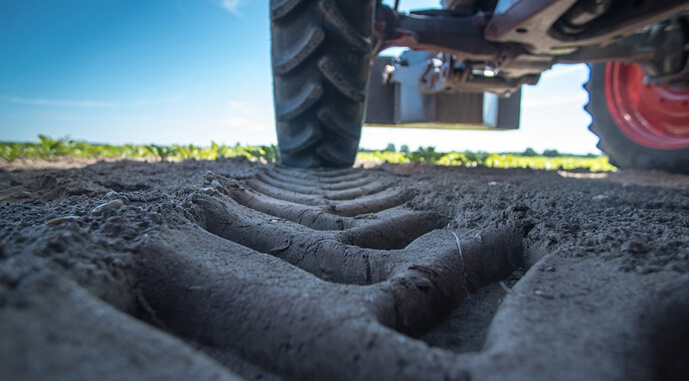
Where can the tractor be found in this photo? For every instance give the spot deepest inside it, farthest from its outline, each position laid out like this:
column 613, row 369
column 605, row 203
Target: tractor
column 465, row 67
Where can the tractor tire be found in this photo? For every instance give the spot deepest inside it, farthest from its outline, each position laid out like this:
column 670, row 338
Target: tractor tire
column 640, row 125
column 321, row 52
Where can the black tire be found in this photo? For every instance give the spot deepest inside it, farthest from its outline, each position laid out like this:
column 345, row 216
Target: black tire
column 321, row 50
column 623, row 151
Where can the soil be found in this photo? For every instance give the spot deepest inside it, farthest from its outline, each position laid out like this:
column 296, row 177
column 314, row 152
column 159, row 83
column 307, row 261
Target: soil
column 231, row 269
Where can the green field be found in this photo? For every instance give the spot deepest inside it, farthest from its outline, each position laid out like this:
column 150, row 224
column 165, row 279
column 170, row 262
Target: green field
column 48, row 148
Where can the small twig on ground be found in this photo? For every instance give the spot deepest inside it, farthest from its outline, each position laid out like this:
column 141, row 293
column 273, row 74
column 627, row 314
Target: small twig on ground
column 507, row 289
column 464, row 269
column 153, row 316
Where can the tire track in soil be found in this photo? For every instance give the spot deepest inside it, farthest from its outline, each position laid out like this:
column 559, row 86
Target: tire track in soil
column 223, row 268
column 319, row 274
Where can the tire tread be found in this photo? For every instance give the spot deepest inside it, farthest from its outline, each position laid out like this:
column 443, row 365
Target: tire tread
column 622, row 151
column 321, row 61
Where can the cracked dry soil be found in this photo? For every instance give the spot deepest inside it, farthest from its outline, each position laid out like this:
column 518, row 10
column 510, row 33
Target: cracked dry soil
column 235, row 270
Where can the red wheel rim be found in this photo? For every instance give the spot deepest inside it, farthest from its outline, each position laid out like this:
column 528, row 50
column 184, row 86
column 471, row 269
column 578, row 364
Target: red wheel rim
column 653, row 116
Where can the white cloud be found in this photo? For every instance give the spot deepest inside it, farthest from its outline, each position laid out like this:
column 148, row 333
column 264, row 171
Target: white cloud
column 241, row 107
column 59, row 103
column 84, row 103
column 231, row 6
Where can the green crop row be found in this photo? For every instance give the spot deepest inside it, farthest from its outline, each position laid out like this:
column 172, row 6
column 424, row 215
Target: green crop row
column 493, row 160
column 48, row 148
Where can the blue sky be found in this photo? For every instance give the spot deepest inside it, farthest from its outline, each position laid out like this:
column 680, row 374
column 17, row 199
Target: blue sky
column 192, row 71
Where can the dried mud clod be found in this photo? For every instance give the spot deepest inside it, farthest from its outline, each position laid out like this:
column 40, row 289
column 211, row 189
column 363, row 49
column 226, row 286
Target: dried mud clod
column 277, row 273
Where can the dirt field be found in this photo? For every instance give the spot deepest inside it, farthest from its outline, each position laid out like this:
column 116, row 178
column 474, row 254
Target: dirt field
column 231, row 269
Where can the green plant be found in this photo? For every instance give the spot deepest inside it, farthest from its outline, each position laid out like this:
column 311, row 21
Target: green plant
column 11, row 151
column 162, row 152
column 453, row 159
column 425, row 155
column 494, row 161
column 48, row 148
column 188, row 152
column 383, row 157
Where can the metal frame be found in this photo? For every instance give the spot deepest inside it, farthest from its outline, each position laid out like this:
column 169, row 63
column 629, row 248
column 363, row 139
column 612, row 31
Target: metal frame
column 517, row 40
column 395, row 100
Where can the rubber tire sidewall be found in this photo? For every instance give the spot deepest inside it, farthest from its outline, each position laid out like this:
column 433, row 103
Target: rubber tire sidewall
column 624, row 152
column 327, row 132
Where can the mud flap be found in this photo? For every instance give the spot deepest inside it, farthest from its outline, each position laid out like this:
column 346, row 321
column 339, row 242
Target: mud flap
column 398, row 103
